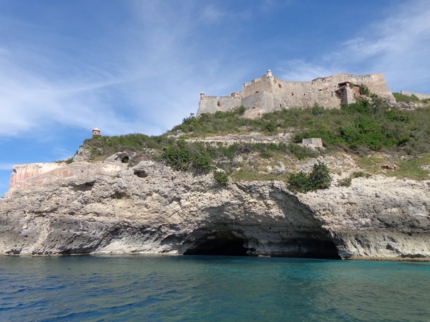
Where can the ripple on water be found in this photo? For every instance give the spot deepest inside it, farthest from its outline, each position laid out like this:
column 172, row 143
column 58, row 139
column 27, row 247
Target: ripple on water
column 196, row 288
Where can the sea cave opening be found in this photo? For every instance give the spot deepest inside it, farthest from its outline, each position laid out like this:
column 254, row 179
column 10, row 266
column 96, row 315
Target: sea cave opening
column 220, row 246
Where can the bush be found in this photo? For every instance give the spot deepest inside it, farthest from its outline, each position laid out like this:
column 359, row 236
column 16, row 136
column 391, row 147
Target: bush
column 182, row 158
column 178, row 158
column 298, row 182
column 221, row 177
column 319, row 178
column 345, row 182
column 364, row 90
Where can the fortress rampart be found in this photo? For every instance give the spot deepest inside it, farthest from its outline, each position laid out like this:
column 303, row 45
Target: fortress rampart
column 42, row 173
column 268, row 94
column 419, row 95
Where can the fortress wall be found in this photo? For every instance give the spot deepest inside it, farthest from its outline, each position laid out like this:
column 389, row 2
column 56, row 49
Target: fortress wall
column 50, row 172
column 22, row 172
column 257, row 85
column 261, row 102
column 304, row 94
column 419, row 95
column 212, row 104
column 279, row 94
column 375, row 82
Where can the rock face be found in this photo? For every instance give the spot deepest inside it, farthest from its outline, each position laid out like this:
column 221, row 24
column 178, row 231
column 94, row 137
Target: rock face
column 153, row 209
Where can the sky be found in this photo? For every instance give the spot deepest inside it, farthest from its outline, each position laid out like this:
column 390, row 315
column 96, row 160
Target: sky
column 139, row 66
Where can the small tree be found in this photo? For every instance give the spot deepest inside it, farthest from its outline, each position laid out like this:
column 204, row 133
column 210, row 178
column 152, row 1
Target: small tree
column 319, row 178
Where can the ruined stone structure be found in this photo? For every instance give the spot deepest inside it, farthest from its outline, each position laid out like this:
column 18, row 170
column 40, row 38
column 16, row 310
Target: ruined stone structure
column 24, row 175
column 419, row 95
column 312, row 143
column 268, row 94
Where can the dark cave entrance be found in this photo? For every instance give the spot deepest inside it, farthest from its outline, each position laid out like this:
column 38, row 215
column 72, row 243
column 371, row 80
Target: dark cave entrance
column 322, row 249
column 225, row 247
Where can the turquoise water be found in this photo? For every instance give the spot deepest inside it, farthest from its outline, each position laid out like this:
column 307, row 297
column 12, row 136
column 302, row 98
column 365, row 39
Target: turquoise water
column 205, row 288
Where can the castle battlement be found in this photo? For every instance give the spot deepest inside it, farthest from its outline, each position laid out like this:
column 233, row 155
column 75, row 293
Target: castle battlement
column 268, row 93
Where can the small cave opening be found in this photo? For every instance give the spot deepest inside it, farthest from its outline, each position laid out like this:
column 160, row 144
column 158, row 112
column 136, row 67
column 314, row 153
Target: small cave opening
column 220, row 246
column 140, row 173
column 125, row 159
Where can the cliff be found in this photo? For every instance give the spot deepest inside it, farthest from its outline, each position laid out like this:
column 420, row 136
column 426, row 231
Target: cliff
column 151, row 208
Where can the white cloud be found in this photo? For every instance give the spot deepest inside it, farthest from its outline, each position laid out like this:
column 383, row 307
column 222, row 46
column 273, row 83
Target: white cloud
column 300, row 70
column 398, row 46
column 146, row 84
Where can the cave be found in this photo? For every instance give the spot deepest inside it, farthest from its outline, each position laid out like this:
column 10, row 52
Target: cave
column 323, row 249
column 234, row 246
column 140, row 173
column 221, row 246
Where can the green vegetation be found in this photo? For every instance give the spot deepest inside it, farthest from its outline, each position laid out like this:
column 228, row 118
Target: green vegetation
column 364, row 90
column 221, row 177
column 363, row 129
column 345, row 182
column 185, row 156
column 319, row 178
column 359, row 128
column 412, row 168
column 404, row 98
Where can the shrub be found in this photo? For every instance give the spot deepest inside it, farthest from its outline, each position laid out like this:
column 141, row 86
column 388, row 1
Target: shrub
column 182, row 158
column 298, row 182
column 364, row 90
column 221, row 177
column 319, row 178
column 178, row 158
column 345, row 182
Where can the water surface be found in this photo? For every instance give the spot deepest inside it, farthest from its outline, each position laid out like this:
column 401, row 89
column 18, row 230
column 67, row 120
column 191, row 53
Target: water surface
column 211, row 288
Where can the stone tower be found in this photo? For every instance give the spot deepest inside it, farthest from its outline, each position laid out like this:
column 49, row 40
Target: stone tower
column 96, row 132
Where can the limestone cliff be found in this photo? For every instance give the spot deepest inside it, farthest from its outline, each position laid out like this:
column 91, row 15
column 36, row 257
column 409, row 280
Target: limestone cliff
column 153, row 209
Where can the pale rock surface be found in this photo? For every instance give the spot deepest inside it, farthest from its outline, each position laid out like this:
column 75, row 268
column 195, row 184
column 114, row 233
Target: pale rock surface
column 153, row 209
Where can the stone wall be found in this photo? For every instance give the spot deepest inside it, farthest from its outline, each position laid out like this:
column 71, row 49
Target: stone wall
column 268, row 94
column 21, row 172
column 419, row 95
column 42, row 173
column 212, row 104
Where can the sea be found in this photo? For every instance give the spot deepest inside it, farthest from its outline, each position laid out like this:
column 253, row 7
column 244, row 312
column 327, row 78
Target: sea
column 211, row 288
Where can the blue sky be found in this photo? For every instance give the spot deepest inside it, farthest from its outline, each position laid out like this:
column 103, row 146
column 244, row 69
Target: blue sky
column 139, row 66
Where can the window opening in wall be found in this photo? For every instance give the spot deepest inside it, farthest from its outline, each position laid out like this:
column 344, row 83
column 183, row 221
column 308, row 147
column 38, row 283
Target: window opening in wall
column 256, row 92
column 219, row 103
column 292, row 94
column 279, row 85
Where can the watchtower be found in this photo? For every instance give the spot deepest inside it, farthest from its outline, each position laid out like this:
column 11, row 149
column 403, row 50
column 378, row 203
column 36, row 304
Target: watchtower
column 96, row 132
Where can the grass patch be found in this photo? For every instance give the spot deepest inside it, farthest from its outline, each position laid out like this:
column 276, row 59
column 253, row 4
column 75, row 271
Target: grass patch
column 411, row 169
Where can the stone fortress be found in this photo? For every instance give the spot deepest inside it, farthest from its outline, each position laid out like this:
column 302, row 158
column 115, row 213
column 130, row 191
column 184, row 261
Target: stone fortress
column 268, row 94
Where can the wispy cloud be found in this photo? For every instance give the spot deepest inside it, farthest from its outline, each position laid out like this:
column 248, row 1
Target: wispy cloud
column 210, row 13
column 147, row 83
column 398, row 46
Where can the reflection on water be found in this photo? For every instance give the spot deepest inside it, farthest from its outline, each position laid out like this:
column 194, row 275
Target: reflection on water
column 204, row 288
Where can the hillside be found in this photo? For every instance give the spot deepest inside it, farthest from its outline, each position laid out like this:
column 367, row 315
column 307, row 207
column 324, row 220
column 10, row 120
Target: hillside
column 373, row 135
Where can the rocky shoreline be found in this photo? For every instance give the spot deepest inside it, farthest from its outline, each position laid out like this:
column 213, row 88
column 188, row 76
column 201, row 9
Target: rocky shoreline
column 152, row 209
